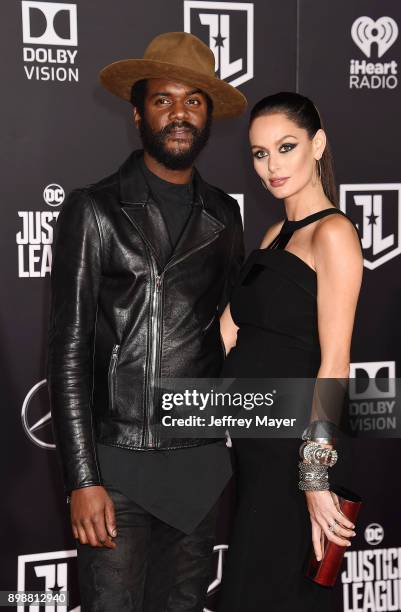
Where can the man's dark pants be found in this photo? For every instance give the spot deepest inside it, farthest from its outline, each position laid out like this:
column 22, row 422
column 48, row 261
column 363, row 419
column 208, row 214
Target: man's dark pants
column 155, row 567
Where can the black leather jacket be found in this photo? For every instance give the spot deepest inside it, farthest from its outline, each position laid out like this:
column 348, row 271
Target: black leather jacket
column 125, row 312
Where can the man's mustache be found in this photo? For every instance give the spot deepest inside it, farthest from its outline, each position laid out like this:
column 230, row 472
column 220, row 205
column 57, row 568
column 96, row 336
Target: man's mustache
column 176, row 125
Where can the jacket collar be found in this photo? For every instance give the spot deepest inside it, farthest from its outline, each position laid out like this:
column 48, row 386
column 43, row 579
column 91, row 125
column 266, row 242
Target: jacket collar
column 202, row 227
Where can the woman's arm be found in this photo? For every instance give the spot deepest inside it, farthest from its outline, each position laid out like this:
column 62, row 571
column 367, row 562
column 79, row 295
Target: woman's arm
column 339, row 264
column 228, row 330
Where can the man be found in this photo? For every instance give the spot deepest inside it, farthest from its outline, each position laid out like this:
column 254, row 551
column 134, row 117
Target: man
column 143, row 266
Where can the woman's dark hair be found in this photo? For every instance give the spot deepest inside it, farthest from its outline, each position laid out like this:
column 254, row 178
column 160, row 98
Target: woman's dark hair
column 304, row 114
column 138, row 95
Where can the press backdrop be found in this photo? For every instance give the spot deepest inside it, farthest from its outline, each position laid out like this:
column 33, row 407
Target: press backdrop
column 60, row 130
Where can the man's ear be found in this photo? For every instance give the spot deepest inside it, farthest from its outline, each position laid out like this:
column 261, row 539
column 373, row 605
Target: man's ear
column 136, row 116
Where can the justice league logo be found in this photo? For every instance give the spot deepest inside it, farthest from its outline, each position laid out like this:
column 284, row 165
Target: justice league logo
column 53, row 573
column 220, row 552
column 35, row 237
column 375, row 210
column 227, row 28
column 240, row 199
column 371, row 577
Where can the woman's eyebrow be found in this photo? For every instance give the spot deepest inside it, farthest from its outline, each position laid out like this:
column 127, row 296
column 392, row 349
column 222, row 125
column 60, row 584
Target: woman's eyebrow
column 277, row 141
column 284, row 137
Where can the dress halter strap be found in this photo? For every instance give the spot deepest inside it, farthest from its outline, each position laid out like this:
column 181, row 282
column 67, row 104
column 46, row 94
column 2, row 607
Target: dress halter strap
column 289, row 227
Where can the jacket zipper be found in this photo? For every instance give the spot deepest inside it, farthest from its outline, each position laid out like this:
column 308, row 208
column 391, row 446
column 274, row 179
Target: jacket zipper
column 112, row 371
column 148, row 437
column 155, row 339
column 208, row 326
column 190, row 252
column 154, row 352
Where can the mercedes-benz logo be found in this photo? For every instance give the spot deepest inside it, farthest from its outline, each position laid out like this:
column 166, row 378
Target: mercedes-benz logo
column 37, row 428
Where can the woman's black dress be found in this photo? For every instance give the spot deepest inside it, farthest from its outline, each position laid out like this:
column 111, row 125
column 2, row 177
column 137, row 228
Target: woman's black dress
column 274, row 305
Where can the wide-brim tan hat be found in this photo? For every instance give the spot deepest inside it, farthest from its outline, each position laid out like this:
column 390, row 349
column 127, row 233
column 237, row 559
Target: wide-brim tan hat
column 181, row 57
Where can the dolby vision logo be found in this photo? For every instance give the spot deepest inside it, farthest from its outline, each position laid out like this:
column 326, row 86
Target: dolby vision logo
column 374, row 534
column 50, row 41
column 40, row 21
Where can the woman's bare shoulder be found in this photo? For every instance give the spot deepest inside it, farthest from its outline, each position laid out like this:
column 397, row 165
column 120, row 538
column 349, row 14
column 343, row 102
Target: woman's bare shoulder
column 335, row 228
column 336, row 236
column 271, row 233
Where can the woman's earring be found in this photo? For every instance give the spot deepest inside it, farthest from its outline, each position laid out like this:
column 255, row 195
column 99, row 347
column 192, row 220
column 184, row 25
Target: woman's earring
column 319, row 169
column 263, row 183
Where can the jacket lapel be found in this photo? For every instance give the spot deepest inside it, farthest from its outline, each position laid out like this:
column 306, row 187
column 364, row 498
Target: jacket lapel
column 201, row 229
column 142, row 212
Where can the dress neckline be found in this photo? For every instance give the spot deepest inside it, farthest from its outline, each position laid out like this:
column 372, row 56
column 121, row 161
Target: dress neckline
column 290, row 226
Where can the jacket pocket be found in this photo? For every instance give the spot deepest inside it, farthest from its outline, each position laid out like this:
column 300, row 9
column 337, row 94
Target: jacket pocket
column 111, row 374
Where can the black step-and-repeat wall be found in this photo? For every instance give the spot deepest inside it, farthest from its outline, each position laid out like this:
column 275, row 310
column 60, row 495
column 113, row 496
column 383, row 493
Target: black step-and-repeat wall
column 60, row 130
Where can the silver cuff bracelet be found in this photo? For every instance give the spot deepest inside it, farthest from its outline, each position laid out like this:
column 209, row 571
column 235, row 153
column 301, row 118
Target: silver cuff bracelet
column 315, row 454
column 321, row 432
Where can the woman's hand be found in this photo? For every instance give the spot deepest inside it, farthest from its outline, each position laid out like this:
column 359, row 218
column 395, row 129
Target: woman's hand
column 327, row 520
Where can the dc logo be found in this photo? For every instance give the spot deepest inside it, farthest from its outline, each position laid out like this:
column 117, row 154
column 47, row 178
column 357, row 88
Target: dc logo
column 240, row 199
column 383, row 32
column 375, row 209
column 374, row 534
column 220, row 551
column 52, row 572
column 53, row 194
column 49, row 23
column 227, row 27
column 36, row 417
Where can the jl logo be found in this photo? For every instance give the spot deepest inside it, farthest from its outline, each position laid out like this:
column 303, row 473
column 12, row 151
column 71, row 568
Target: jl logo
column 375, row 210
column 50, row 572
column 227, row 27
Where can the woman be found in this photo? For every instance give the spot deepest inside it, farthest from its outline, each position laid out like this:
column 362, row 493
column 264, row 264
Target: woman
column 291, row 315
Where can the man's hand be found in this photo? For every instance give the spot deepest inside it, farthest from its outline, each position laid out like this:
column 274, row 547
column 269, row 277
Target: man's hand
column 92, row 517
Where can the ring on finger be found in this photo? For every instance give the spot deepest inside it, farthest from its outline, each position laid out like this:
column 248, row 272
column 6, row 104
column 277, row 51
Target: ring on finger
column 332, row 527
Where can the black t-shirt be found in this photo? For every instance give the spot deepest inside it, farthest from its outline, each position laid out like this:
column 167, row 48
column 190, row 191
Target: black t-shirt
column 175, row 202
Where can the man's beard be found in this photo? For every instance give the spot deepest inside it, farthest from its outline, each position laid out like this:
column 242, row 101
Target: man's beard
column 174, row 159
